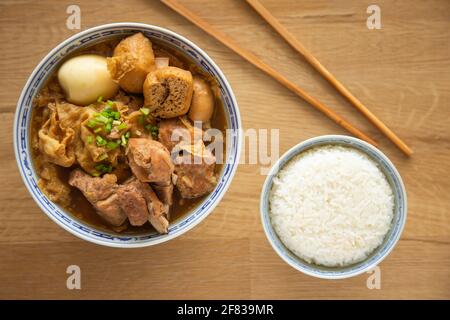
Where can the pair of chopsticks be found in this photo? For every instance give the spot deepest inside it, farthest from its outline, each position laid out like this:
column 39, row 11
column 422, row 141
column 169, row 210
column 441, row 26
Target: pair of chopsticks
column 257, row 62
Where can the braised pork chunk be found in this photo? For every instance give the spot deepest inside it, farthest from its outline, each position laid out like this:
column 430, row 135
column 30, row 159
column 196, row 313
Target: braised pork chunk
column 149, row 160
column 194, row 163
column 101, row 193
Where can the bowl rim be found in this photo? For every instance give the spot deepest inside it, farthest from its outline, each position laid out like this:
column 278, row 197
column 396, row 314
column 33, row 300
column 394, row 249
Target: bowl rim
column 296, row 150
column 97, row 239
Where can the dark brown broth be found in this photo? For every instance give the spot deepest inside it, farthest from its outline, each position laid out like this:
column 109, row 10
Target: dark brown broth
column 80, row 206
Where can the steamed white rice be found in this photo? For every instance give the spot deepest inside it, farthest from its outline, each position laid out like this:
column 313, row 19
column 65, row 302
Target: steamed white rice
column 331, row 205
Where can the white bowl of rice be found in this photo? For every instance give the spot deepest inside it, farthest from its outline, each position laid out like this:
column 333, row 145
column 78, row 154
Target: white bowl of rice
column 333, row 207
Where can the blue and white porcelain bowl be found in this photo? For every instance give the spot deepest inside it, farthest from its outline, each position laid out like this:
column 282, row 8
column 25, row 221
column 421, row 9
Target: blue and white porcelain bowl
column 391, row 238
column 48, row 66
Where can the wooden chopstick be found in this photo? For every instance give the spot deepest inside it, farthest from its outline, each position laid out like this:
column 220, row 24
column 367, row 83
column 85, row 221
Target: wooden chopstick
column 253, row 59
column 272, row 21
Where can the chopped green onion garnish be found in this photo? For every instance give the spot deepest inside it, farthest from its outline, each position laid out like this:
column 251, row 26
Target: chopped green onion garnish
column 115, row 115
column 95, row 174
column 92, row 123
column 102, row 118
column 89, row 139
column 103, row 168
column 98, row 130
column 153, row 130
column 100, row 141
column 127, row 134
column 124, row 141
column 103, row 157
column 111, row 145
column 108, row 127
column 110, row 103
column 145, row 111
column 100, row 99
column 106, row 113
column 116, row 122
column 122, row 126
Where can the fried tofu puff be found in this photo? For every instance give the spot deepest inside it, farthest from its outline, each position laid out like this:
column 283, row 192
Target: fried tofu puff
column 132, row 60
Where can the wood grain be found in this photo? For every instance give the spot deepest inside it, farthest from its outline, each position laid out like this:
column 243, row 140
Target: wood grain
column 264, row 67
column 312, row 60
column 401, row 72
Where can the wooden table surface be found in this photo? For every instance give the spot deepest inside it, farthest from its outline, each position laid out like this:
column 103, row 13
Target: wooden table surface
column 401, row 72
